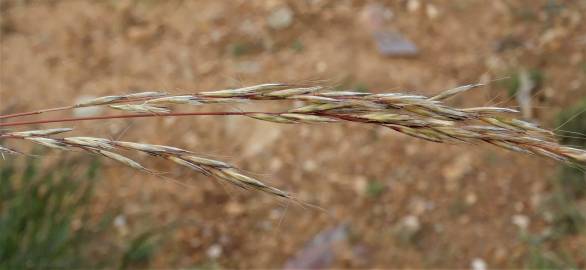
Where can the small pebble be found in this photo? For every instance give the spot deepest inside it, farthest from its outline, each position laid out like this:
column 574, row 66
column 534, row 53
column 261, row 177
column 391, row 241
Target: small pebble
column 280, row 18
column 412, row 223
column 394, row 44
column 478, row 264
column 413, row 5
column 521, row 221
column 214, row 251
column 431, row 11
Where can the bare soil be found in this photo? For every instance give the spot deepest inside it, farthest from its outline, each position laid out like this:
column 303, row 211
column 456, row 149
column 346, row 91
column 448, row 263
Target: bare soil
column 463, row 197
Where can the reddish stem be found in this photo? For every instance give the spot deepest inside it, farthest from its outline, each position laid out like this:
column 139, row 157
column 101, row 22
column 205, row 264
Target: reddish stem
column 124, row 116
column 34, row 112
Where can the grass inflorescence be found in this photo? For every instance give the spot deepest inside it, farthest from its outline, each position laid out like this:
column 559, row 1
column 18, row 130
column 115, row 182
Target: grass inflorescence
column 427, row 118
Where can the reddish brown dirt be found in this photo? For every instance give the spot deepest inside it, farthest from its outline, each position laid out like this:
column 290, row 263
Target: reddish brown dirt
column 463, row 196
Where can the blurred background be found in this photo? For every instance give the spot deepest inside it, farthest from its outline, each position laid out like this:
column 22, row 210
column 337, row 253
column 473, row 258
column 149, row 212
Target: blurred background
column 389, row 201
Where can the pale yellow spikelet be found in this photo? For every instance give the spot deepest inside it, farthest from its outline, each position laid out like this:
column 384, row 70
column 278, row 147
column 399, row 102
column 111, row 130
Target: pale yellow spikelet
column 383, row 117
column 496, row 122
column 206, row 161
column 314, row 99
column 458, row 132
column 120, row 158
column 99, row 101
column 575, row 154
column 40, row 132
column 187, row 99
column 319, row 107
column 308, row 118
column 244, row 90
column 292, row 92
column 223, row 100
column 344, row 94
column 510, row 146
column 90, row 142
column 489, row 110
column 150, row 94
column 455, row 91
column 546, row 153
column 151, row 148
column 271, row 118
column 48, row 142
column 524, row 125
column 233, row 176
column 141, row 108
column 188, row 164
column 419, row 133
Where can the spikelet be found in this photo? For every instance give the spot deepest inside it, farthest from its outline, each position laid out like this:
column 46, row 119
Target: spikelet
column 255, row 89
column 151, row 148
column 150, row 94
column 48, row 142
column 206, row 161
column 141, row 108
column 99, row 101
column 293, row 92
column 41, row 132
column 120, row 158
column 338, row 94
column 314, row 99
column 489, row 110
column 271, row 118
column 307, row 118
column 187, row 99
column 455, row 91
column 99, row 143
column 188, row 164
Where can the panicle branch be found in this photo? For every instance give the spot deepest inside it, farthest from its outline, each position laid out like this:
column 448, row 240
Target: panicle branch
column 422, row 117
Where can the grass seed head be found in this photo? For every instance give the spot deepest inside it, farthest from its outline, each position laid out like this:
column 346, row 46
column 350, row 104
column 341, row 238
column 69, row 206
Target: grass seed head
column 547, row 153
column 48, row 142
column 99, row 101
column 187, row 99
column 271, row 118
column 307, row 118
column 90, row 142
column 319, row 107
column 314, row 99
column 489, row 110
column 292, row 92
column 244, row 91
column 575, row 154
column 120, row 158
column 181, row 161
column 338, row 94
column 455, row 91
column 223, row 100
column 41, row 132
column 152, row 94
column 141, row 108
column 233, row 176
column 151, row 148
column 206, row 161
